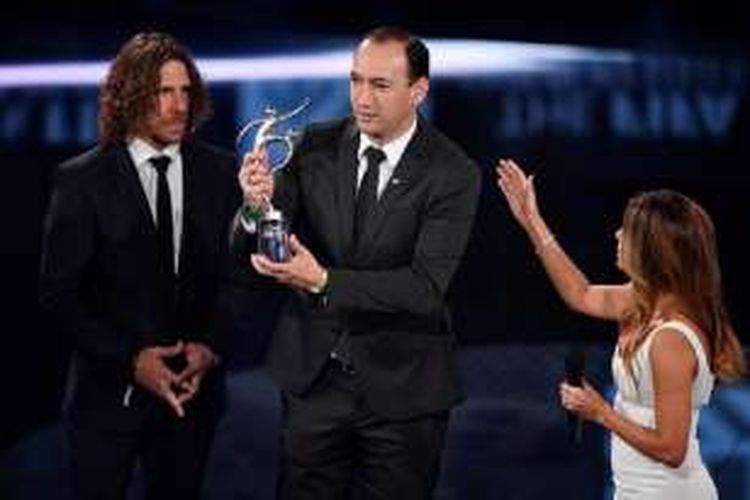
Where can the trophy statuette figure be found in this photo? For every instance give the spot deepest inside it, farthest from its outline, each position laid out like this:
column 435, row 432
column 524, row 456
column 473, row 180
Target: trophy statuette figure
column 269, row 222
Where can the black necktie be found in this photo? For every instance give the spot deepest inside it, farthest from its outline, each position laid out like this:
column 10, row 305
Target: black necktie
column 367, row 199
column 164, row 232
column 367, row 196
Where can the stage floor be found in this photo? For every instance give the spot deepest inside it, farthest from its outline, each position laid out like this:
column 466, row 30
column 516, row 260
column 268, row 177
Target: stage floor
column 507, row 440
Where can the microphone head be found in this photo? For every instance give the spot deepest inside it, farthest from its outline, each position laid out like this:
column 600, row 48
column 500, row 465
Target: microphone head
column 575, row 363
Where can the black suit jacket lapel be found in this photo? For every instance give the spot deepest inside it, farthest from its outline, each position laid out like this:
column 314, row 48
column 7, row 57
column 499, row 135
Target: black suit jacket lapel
column 128, row 185
column 195, row 204
column 346, row 182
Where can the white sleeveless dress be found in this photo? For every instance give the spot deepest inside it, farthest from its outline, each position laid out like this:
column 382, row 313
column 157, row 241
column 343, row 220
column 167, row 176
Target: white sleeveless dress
column 636, row 476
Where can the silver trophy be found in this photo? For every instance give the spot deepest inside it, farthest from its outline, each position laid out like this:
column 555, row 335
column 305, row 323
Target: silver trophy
column 267, row 137
column 272, row 227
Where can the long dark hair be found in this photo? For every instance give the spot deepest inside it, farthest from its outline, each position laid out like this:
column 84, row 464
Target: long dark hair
column 672, row 250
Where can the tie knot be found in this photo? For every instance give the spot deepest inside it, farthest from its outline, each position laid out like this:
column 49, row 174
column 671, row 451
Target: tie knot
column 374, row 156
column 160, row 163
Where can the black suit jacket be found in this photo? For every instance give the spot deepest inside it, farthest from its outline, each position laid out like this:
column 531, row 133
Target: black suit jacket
column 98, row 273
column 389, row 294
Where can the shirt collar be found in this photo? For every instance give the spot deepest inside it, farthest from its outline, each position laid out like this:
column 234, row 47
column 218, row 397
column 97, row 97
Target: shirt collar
column 393, row 150
column 141, row 151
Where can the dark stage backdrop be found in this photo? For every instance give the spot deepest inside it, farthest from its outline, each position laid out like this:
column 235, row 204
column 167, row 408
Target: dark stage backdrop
column 596, row 126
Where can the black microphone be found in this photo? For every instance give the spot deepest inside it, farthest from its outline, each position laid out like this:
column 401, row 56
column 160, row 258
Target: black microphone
column 575, row 363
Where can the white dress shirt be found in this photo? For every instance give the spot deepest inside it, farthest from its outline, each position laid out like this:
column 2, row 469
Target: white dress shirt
column 393, row 150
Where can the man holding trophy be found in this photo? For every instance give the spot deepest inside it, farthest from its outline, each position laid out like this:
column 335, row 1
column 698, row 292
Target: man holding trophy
column 379, row 208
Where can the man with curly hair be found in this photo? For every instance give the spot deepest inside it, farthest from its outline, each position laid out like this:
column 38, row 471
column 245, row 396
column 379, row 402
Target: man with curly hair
column 133, row 271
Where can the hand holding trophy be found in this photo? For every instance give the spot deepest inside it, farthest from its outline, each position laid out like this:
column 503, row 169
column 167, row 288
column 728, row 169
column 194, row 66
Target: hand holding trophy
column 274, row 149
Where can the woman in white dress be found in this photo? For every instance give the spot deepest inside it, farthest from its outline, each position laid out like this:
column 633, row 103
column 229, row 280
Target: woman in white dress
column 675, row 336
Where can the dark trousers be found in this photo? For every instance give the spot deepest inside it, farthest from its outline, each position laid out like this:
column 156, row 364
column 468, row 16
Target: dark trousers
column 172, row 452
column 334, row 447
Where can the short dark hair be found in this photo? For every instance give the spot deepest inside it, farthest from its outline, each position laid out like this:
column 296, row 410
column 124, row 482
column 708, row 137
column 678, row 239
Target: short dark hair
column 130, row 87
column 417, row 53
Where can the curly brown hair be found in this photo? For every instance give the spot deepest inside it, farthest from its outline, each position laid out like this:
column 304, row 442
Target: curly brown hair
column 130, row 88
